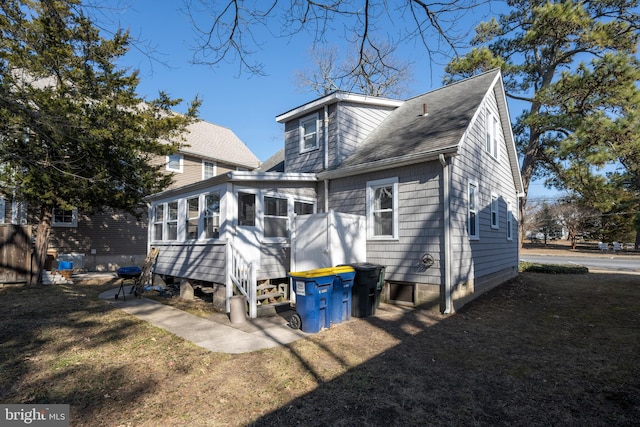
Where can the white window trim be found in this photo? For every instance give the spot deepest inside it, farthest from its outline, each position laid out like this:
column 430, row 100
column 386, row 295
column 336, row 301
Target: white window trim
column 371, row 187
column 18, row 212
column 157, row 221
column 198, row 217
column 203, row 214
column 215, row 168
column 475, row 211
column 181, row 161
column 73, row 223
column 176, row 221
column 301, row 132
column 263, row 215
column 491, row 124
column 495, row 211
column 509, row 221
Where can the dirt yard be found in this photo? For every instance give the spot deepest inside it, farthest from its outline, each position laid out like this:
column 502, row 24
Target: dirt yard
column 540, row 350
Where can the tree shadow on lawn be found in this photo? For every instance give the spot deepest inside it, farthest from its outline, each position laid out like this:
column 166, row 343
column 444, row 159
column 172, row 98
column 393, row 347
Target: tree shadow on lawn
column 50, row 335
column 538, row 350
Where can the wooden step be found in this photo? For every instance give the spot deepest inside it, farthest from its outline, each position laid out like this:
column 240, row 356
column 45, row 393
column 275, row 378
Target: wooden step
column 265, row 286
column 269, row 295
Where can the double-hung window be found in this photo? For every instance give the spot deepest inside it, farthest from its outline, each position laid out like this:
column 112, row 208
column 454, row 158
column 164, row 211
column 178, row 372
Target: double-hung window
column 509, row 221
column 308, row 133
column 158, row 222
column 172, row 220
column 382, row 209
column 472, row 207
column 193, row 217
column 491, row 134
column 495, row 211
column 212, row 215
column 276, row 218
column 174, row 163
column 208, row 169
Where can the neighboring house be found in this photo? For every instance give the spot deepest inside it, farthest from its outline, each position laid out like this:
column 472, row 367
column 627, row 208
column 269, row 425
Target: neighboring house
column 436, row 178
column 108, row 240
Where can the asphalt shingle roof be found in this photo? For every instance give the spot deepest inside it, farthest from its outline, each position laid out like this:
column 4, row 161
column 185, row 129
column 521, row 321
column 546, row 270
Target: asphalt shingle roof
column 408, row 131
column 218, row 143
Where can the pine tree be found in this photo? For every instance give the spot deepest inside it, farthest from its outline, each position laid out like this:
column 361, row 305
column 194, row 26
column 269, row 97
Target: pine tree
column 574, row 64
column 74, row 133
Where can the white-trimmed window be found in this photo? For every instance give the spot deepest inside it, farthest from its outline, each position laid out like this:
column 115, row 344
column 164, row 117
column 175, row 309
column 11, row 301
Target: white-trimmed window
column 174, row 163
column 193, row 217
column 495, row 211
column 509, row 221
column 303, row 208
column 382, row 209
column 212, row 215
column 172, row 220
column 158, row 222
column 308, row 133
column 246, row 209
column 18, row 212
column 473, row 223
column 276, row 218
column 491, row 134
column 208, row 169
column 64, row 218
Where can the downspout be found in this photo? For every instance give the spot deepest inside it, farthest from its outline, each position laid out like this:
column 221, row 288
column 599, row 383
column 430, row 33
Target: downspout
column 325, row 136
column 448, row 304
column 326, row 195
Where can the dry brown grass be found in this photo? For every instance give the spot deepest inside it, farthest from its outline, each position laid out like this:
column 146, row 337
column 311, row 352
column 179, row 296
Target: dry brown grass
column 539, row 350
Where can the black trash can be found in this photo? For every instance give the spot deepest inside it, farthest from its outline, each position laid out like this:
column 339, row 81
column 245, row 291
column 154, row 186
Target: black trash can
column 367, row 286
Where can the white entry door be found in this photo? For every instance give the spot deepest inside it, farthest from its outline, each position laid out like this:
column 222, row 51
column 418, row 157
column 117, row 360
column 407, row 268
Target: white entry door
column 247, row 238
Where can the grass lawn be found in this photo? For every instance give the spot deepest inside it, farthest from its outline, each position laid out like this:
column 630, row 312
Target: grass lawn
column 541, row 350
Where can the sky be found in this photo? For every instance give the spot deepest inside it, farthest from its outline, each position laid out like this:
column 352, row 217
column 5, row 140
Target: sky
column 247, row 104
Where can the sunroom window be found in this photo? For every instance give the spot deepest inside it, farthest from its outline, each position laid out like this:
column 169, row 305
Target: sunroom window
column 172, row 221
column 212, row 216
column 276, row 219
column 246, row 209
column 158, row 222
column 193, row 217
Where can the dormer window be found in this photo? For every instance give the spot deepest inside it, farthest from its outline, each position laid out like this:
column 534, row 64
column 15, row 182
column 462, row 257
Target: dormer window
column 309, row 133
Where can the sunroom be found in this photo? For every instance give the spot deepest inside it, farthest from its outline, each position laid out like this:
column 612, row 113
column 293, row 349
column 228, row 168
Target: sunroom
column 231, row 232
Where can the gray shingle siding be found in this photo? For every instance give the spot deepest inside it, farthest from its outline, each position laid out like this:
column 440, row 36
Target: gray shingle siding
column 492, row 253
column 420, row 220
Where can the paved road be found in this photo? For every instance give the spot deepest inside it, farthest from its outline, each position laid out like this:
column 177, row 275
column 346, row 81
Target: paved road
column 604, row 262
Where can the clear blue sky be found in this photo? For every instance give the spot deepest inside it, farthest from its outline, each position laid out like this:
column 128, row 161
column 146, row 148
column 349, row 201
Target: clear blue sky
column 244, row 103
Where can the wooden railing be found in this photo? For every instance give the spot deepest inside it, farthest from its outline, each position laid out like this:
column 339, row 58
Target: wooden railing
column 241, row 275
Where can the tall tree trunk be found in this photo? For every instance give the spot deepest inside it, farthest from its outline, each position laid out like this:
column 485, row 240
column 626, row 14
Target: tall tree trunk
column 42, row 242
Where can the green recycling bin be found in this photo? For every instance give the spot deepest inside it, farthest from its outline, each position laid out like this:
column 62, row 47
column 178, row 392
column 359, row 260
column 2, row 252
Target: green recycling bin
column 367, row 288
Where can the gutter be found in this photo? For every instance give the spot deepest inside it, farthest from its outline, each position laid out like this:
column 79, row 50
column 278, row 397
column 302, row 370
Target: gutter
column 446, row 178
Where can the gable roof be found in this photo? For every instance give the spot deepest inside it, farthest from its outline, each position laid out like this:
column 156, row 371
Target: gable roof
column 274, row 163
column 210, row 141
column 428, row 125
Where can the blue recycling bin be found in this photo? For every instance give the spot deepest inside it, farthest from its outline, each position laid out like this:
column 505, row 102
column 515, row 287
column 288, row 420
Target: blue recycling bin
column 313, row 290
column 340, row 308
